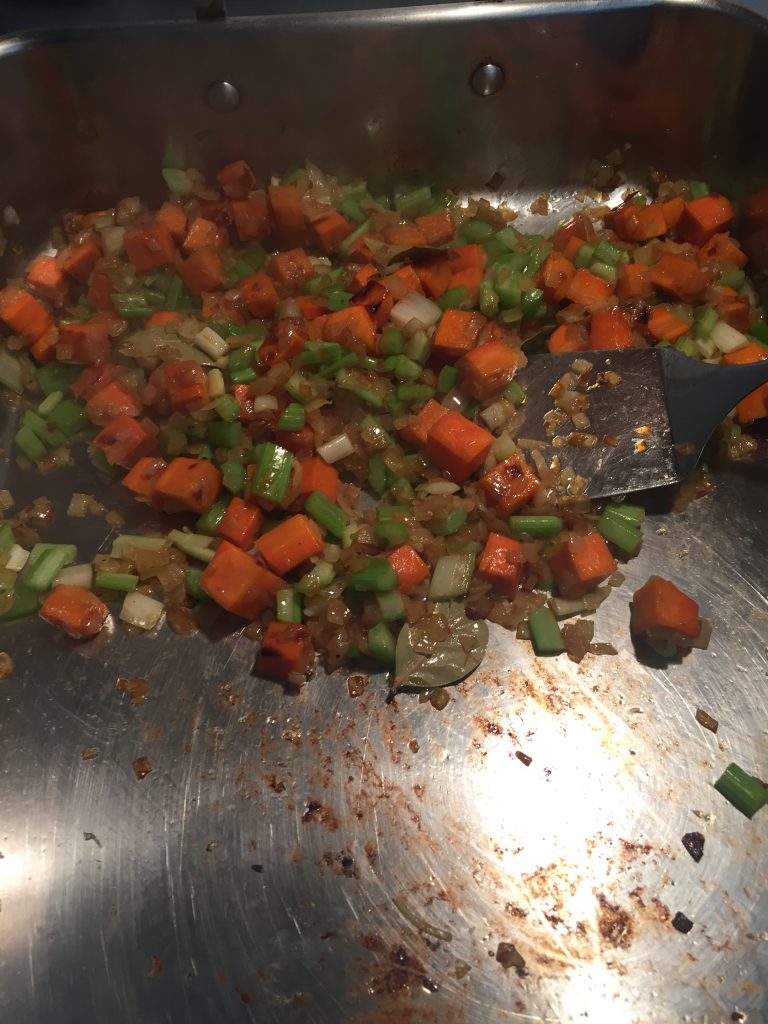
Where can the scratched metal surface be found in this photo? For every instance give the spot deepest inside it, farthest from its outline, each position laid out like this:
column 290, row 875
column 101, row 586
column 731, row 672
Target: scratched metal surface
column 250, row 875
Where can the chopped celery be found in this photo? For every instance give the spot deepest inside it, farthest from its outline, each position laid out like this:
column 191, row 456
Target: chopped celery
column 192, row 544
column 545, row 632
column 391, row 606
column 378, row 576
column 288, row 605
column 45, row 563
column 233, row 476
column 327, row 514
column 294, row 417
column 121, row 581
column 451, row 577
column 381, row 644
column 317, row 579
column 272, row 470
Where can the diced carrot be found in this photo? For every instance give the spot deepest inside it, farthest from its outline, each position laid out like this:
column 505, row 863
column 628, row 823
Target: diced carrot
column 587, row 289
column 290, row 543
column 410, row 568
column 187, row 384
column 679, row 276
column 259, row 294
column 124, row 440
column 581, row 563
column 755, row 405
column 203, row 233
column 579, row 227
column 290, row 223
column 435, row 276
column 362, row 276
column 704, row 217
column 251, row 218
column 555, row 276
column 142, row 478
column 437, row 228
column 286, row 650
column 163, row 317
column 236, row 180
column 568, row 338
column 487, row 369
column 673, row 211
column 44, row 349
column 291, row 268
column 24, row 314
column 91, row 381
column 241, row 523
column 331, row 230
column 510, row 485
column 377, row 300
column 665, row 326
column 571, row 247
column 502, row 562
column 311, row 306
column 456, row 334
column 735, row 309
column 634, row 281
column 100, row 290
column 610, row 328
column 468, row 278
column 203, row 271
column 192, row 484
column 359, row 251
column 75, row 610
column 351, row 325
column 79, row 259
column 659, row 604
column 722, row 249
column 318, row 475
column 457, row 445
column 174, row 218
column 46, row 278
column 418, row 426
column 754, row 210
column 633, row 223
column 403, row 282
column 111, row 401
column 238, row 583
column 404, row 234
column 83, row 343
column 150, row 246
column 468, row 257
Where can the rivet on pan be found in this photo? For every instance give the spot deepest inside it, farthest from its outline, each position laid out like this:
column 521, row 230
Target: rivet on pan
column 223, row 97
column 487, row 79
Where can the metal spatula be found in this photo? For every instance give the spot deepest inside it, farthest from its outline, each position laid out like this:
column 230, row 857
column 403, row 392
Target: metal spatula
column 660, row 415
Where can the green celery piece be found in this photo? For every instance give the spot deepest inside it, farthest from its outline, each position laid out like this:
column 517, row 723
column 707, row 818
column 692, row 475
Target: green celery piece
column 378, row 576
column 192, row 584
column 10, row 372
column 69, row 416
column 25, row 602
column 741, row 790
column 326, row 513
column 45, row 563
column 288, row 605
column 225, row 435
column 537, row 527
column 545, row 632
column 209, row 521
column 120, row 581
column 294, row 417
column 272, row 470
column 233, row 477
column 415, row 203
column 7, row 539
column 476, row 231
column 56, row 377
column 618, row 531
column 30, row 444
column 381, row 644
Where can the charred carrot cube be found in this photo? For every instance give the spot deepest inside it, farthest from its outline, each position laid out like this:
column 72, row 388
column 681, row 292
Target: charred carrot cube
column 24, row 314
column 435, row 276
column 555, row 276
column 142, row 478
column 187, row 384
column 259, row 294
column 403, row 282
column 663, row 325
column 331, row 230
column 755, row 405
column 75, row 610
column 659, row 604
column 238, row 583
column 291, row 268
column 409, row 566
column 437, row 228
column 290, row 543
column 236, row 180
column 318, row 475
column 634, row 223
column 46, row 278
column 610, row 329
column 510, row 485
column 487, row 369
column 568, row 338
column 456, row 334
column 174, row 218
column 502, row 562
column 363, row 275
column 457, row 445
column 124, row 440
column 44, row 349
column 735, row 309
column 241, row 523
column 679, row 276
column 203, row 233
column 83, row 343
column 286, row 650
column 468, row 257
column 251, row 218
column 192, row 484
column 404, row 234
column 287, row 214
column 112, row 401
column 376, row 300
column 722, row 249
column 418, row 426
column 350, row 326
column 634, row 281
column 704, row 217
column 79, row 259
column 581, row 563
column 150, row 246
column 587, row 289
column 203, row 271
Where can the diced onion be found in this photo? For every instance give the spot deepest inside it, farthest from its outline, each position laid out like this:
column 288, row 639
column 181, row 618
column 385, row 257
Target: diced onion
column 141, row 611
column 563, row 607
column 496, row 415
column 211, row 343
column 287, row 309
column 503, row 446
column 17, row 558
column 415, row 307
column 438, row 487
column 112, row 241
column 454, row 401
column 727, row 338
column 265, row 403
column 76, row 576
column 337, row 448
column 216, row 387
column 707, row 347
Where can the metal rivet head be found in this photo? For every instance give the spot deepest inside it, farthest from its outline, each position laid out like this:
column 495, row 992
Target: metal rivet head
column 223, row 97
column 487, row 79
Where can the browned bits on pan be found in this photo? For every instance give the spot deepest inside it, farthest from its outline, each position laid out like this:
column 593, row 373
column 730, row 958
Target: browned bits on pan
column 136, row 689
column 523, row 757
column 706, row 721
column 88, row 753
column 141, row 767
column 156, row 968
column 508, row 956
column 681, row 923
column 694, row 844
